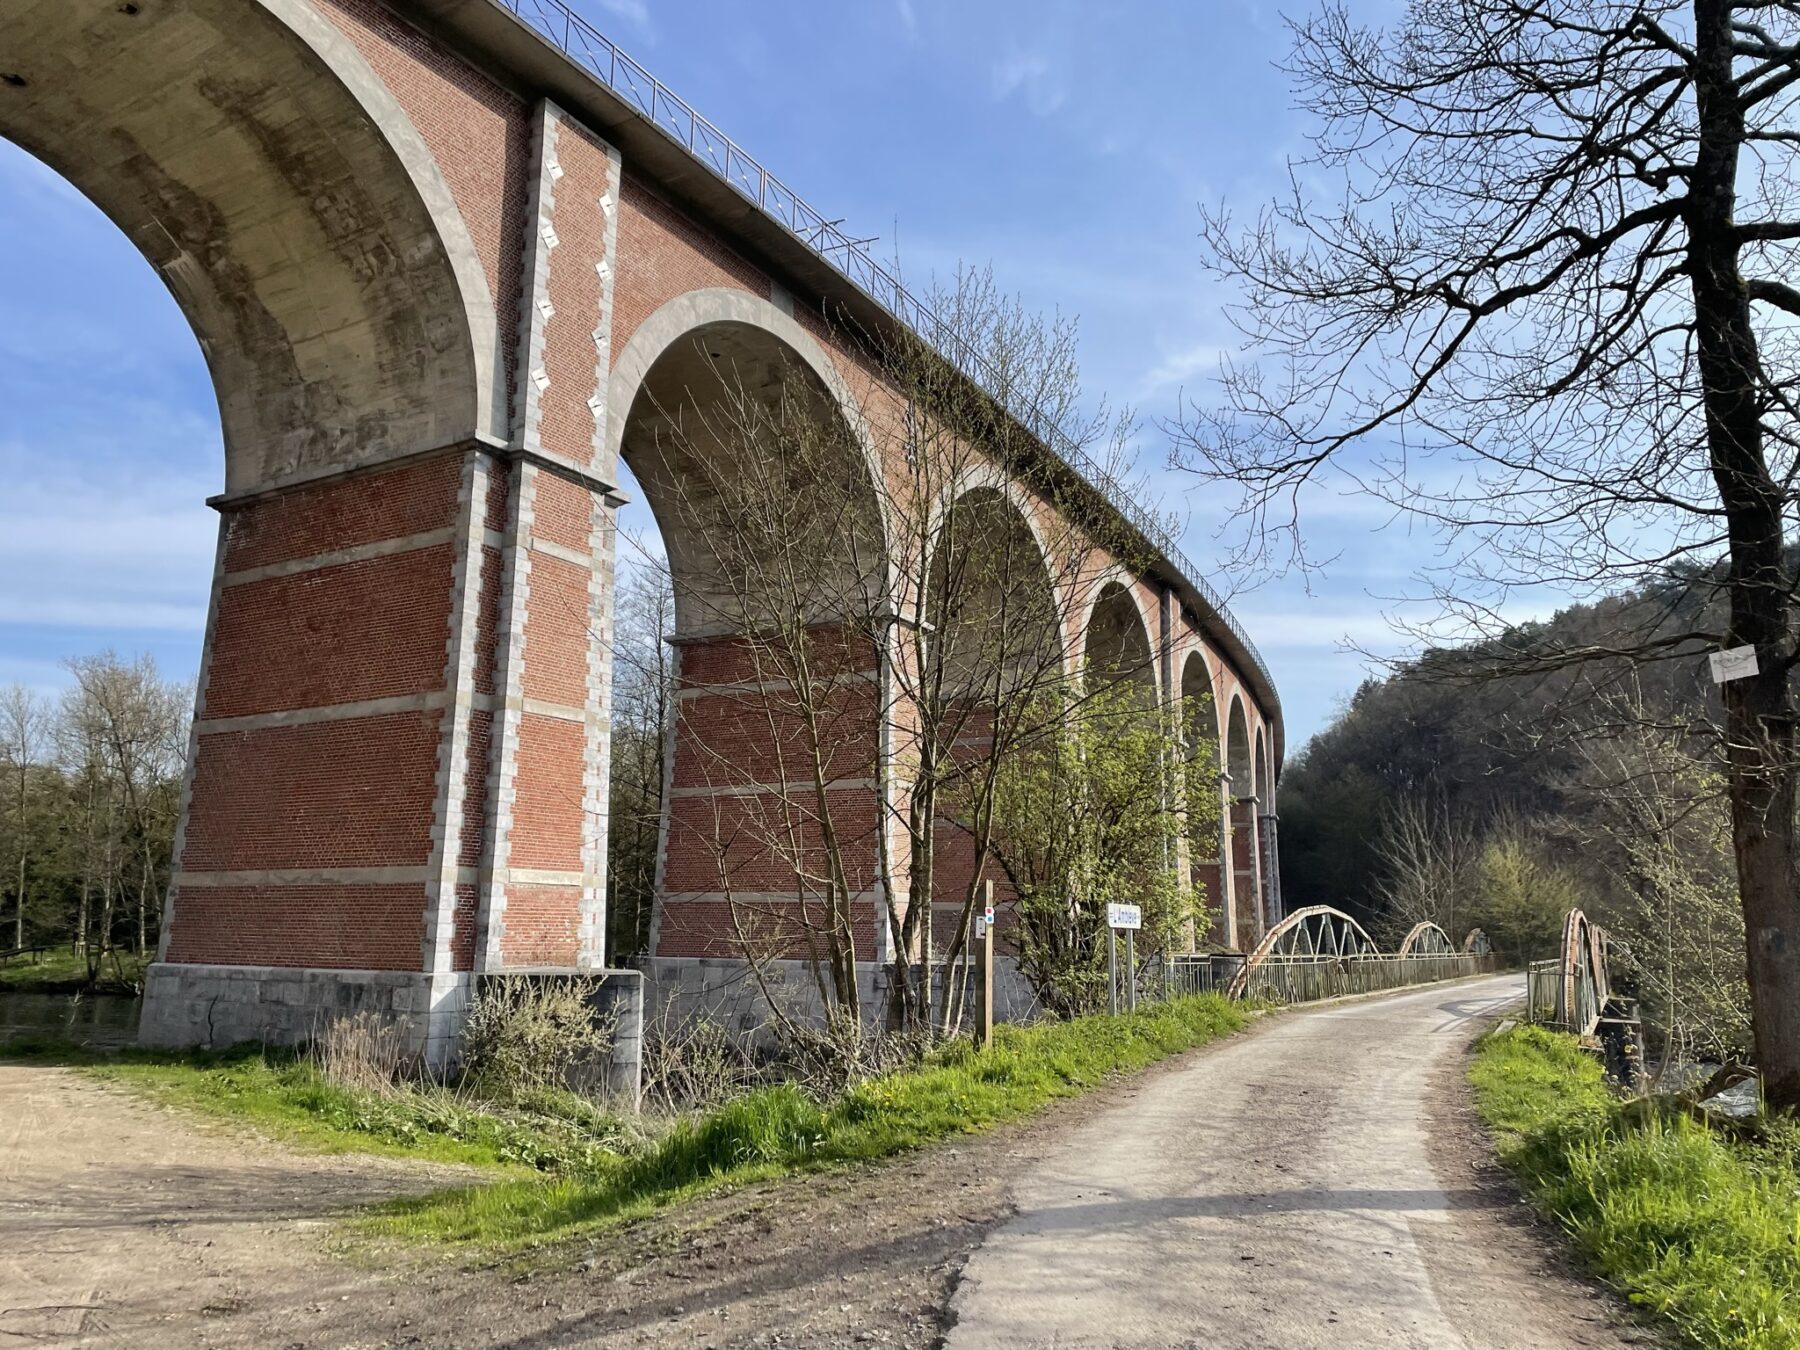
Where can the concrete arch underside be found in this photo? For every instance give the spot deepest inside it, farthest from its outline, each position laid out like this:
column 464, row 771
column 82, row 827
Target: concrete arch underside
column 250, row 154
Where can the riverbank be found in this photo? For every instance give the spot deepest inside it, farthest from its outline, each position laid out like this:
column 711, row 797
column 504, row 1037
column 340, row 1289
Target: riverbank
column 1697, row 1224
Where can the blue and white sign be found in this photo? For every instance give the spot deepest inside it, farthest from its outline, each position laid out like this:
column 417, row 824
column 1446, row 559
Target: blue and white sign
column 1124, row 916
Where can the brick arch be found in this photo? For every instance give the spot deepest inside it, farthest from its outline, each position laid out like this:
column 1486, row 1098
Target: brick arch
column 1195, row 680
column 1206, row 850
column 1116, row 634
column 994, row 606
column 1245, row 907
column 717, row 463
column 1011, row 541
column 991, row 478
column 288, row 204
column 1238, row 758
column 678, row 318
column 707, row 399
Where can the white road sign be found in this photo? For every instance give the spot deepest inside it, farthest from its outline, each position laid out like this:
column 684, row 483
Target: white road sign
column 1124, row 916
column 1735, row 663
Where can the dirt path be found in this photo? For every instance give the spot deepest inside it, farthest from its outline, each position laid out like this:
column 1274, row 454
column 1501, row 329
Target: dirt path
column 123, row 1223
column 126, row 1224
column 1285, row 1191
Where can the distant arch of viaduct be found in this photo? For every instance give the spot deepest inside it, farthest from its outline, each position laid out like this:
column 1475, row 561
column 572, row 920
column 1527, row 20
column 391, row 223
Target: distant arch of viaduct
column 445, row 280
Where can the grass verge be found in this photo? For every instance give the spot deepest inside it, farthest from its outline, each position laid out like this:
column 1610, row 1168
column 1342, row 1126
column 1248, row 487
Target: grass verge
column 1700, row 1228
column 775, row 1130
column 283, row 1095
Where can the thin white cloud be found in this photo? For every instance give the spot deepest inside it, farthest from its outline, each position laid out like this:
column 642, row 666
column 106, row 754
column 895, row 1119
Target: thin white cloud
column 1181, row 367
column 48, row 679
column 86, row 612
column 93, row 543
column 1030, row 75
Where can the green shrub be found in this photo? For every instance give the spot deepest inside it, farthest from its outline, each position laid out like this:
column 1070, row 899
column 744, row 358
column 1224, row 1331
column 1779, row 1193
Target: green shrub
column 525, row 1033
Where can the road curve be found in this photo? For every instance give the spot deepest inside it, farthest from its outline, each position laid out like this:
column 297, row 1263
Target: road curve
column 1279, row 1192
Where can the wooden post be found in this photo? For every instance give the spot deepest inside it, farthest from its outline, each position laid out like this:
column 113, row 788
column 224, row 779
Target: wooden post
column 984, row 1030
column 1131, row 970
column 1112, row 968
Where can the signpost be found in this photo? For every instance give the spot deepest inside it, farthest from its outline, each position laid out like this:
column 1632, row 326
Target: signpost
column 984, row 934
column 1130, row 918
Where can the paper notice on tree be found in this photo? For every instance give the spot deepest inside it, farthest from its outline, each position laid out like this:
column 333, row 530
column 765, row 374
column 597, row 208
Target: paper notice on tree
column 1734, row 663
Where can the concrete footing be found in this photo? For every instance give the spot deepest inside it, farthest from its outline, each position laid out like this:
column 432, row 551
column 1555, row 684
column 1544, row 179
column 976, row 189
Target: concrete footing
column 725, row 990
column 211, row 1006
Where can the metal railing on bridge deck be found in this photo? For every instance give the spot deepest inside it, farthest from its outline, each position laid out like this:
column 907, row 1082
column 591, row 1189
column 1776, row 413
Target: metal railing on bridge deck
column 1201, row 974
column 1304, row 981
column 602, row 58
column 1319, row 953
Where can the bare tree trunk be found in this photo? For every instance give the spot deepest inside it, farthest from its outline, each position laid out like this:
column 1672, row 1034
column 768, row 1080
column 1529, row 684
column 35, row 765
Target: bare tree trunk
column 24, row 850
column 107, row 893
column 143, row 898
column 83, row 915
column 1759, row 710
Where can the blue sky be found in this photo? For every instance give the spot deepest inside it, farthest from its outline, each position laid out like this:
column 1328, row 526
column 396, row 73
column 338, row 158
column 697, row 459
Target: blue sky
column 1067, row 144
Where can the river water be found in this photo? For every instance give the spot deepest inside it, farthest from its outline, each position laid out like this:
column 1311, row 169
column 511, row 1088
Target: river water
column 104, row 1021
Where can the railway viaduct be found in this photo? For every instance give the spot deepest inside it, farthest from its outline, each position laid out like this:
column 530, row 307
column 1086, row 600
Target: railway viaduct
column 450, row 263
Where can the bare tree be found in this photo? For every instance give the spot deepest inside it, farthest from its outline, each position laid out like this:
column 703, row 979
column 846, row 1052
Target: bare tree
column 1543, row 303
column 642, row 704
column 24, row 734
column 776, row 566
column 889, row 594
column 1429, row 857
column 1658, row 835
column 995, row 556
column 130, row 726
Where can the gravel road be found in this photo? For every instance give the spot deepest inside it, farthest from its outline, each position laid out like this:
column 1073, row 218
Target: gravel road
column 1316, row 1181
column 1315, row 1184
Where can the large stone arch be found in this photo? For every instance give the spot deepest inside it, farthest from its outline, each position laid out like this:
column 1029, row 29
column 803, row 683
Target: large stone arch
column 1239, row 762
column 1116, row 638
column 1268, row 873
column 757, row 464
column 993, row 619
column 289, row 205
column 1199, row 715
column 269, row 176
column 1240, row 765
column 990, row 594
column 675, row 392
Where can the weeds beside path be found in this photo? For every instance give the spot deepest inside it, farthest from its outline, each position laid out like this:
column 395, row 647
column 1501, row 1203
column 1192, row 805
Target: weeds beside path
column 957, row 1089
column 1699, row 1228
column 567, row 1165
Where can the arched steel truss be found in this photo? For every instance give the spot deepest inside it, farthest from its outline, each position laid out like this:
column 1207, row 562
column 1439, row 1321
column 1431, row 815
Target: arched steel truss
column 1584, row 978
column 1477, row 943
column 1427, row 939
column 1322, row 952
